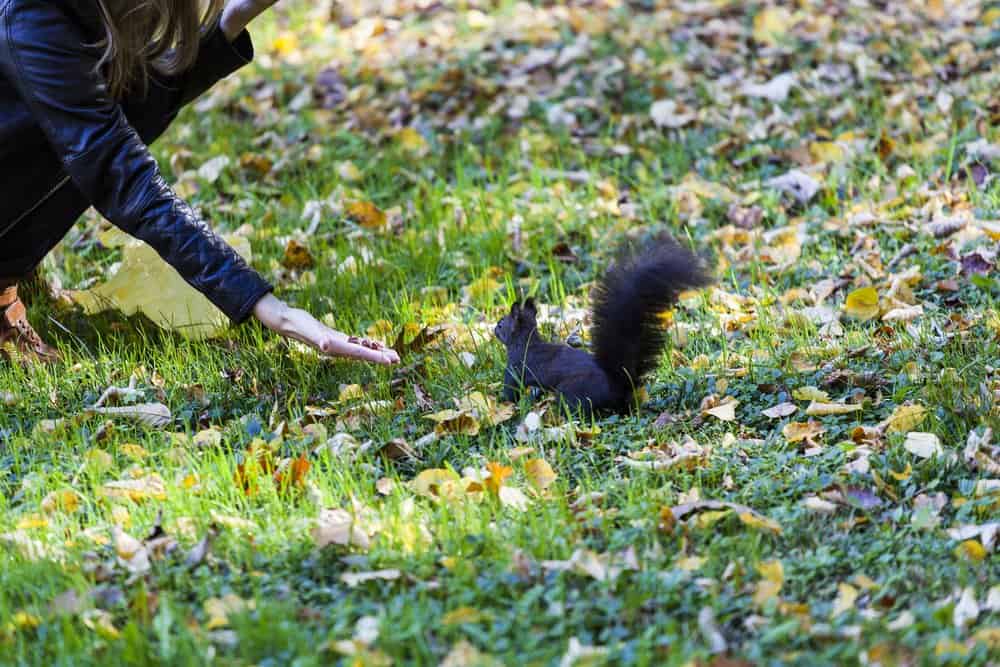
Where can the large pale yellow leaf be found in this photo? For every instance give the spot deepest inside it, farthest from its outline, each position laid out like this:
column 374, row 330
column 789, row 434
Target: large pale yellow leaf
column 146, row 284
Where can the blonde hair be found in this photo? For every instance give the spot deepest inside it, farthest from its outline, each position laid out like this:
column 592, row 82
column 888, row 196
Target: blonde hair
column 139, row 35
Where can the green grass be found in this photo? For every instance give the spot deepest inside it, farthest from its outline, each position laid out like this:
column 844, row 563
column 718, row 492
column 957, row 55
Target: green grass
column 456, row 201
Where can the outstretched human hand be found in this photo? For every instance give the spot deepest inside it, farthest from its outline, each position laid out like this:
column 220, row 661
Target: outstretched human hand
column 297, row 324
column 238, row 14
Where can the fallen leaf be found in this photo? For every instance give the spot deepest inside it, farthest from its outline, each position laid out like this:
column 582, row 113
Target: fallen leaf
column 366, row 214
column 297, row 257
column 771, row 24
column 924, row 445
column 966, row 610
column 797, row 184
column 817, row 409
column 539, row 473
column 150, row 487
column 862, row 303
column 337, row 526
column 847, row 596
column 155, row 415
column 219, row 610
column 772, row 580
column 355, row 579
column 146, row 284
column 904, row 418
column 132, row 553
column 799, row 431
column 725, row 411
column 667, row 113
column 498, row 473
column 776, row 90
column 781, row 410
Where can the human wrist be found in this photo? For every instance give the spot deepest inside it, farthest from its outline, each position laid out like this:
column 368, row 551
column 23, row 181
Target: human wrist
column 234, row 20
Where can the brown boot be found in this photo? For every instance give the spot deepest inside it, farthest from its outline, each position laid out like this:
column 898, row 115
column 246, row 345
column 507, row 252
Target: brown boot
column 17, row 337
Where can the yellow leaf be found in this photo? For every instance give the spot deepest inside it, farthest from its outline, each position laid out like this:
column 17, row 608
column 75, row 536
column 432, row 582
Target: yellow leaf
column 705, row 520
column 412, row 141
column 100, row 622
column 902, row 476
column 25, row 621
column 810, row 394
column 826, row 151
column 66, row 500
column 690, row 564
column 772, row 580
column 350, row 392
column 454, row 421
column 762, row 522
column 905, row 418
column 498, row 474
column 771, row 24
column 972, row 550
column 366, row 214
column 99, row 460
column 540, row 473
column 349, row 172
column 847, row 595
column 32, row 521
column 134, row 451
column 285, row 44
column 988, row 636
column 146, row 284
column 862, row 303
column 144, row 488
column 462, row 615
column 799, row 431
column 480, row 291
column 219, row 610
column 429, row 481
column 817, row 409
column 946, row 646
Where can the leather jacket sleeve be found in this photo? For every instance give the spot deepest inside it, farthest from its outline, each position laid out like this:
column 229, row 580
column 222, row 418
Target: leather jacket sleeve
column 43, row 53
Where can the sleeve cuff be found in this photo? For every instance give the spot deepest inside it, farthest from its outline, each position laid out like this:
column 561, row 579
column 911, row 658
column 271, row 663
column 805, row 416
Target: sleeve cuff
column 243, row 312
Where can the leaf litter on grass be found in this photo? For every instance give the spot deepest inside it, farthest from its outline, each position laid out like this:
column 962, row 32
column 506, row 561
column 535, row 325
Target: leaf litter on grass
column 837, row 158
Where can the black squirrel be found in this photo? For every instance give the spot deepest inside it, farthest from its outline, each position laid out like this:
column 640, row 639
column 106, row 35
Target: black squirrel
column 627, row 334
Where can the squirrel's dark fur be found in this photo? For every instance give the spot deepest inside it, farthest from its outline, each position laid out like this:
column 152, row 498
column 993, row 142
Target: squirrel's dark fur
column 626, row 332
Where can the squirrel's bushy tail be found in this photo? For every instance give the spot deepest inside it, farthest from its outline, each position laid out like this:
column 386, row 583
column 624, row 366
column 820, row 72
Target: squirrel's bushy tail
column 627, row 334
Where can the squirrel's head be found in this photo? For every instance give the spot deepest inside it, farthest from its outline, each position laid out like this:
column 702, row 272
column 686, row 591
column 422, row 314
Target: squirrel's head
column 520, row 320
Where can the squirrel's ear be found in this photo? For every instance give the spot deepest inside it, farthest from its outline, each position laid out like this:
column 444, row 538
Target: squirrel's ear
column 515, row 308
column 529, row 306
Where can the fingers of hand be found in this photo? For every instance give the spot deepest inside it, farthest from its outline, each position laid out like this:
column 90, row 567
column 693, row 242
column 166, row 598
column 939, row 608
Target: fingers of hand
column 341, row 348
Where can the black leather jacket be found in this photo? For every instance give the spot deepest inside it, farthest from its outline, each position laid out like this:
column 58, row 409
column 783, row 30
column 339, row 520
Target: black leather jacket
column 58, row 122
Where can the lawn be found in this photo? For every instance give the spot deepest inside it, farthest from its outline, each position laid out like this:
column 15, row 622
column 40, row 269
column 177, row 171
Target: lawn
column 811, row 476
